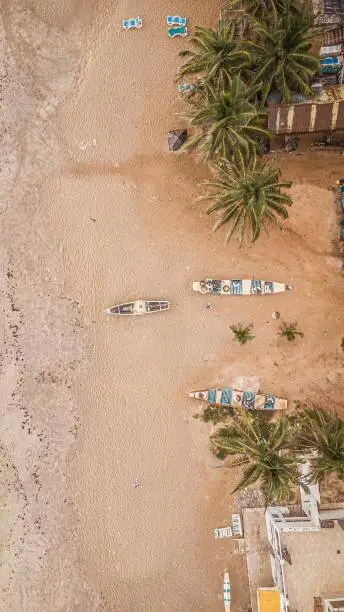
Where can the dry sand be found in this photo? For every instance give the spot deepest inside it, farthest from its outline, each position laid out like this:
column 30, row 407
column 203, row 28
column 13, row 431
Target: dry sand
column 96, row 211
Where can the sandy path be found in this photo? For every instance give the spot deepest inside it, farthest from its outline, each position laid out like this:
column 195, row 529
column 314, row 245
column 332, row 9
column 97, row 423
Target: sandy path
column 149, row 548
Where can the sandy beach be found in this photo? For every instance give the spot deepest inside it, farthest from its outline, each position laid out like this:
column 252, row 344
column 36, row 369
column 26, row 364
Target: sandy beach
column 96, row 211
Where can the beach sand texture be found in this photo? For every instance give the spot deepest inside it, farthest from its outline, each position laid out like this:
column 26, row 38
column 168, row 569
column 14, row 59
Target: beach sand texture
column 98, row 212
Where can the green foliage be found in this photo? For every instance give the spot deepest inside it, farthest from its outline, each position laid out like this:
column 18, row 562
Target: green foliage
column 281, row 50
column 226, row 121
column 214, row 55
column 266, row 449
column 215, row 414
column 247, row 196
column 321, row 435
column 289, row 331
column 242, row 334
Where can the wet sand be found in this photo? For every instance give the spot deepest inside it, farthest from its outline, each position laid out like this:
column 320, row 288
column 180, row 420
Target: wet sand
column 113, row 220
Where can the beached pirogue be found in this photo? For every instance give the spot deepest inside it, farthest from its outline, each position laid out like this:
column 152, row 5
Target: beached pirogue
column 240, row 399
column 140, row 307
column 227, row 592
column 239, row 287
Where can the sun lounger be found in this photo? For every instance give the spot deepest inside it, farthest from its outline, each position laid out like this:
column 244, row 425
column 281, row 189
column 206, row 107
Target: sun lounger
column 178, row 31
column 330, row 65
column 129, row 24
column 176, row 20
column 237, row 526
column 186, row 87
column 222, row 532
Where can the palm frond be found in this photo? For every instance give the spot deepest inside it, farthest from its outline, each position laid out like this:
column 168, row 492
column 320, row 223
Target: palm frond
column 247, row 195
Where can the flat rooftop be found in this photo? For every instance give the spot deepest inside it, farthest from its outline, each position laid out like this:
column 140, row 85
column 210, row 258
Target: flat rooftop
column 317, row 562
column 317, row 567
column 257, row 552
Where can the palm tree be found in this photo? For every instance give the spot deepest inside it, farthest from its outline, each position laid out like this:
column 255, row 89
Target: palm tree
column 281, row 50
column 247, row 195
column 322, row 435
column 265, row 448
column 226, row 121
column 215, row 55
column 260, row 8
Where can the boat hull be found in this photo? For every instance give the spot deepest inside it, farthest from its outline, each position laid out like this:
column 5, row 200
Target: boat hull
column 226, row 592
column 139, row 307
column 233, row 398
column 239, row 287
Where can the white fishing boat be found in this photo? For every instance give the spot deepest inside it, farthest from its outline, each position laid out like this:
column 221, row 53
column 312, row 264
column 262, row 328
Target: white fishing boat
column 239, row 287
column 234, row 398
column 227, row 592
column 139, row 307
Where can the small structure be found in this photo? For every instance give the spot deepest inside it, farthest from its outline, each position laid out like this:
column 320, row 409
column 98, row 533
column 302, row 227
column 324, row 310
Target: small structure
column 176, row 139
column 269, row 599
column 306, row 118
column 334, row 36
column 328, row 11
column 305, row 558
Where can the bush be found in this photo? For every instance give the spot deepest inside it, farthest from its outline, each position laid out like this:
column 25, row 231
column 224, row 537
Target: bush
column 242, row 334
column 290, row 331
column 215, row 414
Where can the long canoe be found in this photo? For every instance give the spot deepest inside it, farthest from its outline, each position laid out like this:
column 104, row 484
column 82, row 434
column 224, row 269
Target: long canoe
column 239, row 287
column 140, row 307
column 227, row 592
column 240, row 399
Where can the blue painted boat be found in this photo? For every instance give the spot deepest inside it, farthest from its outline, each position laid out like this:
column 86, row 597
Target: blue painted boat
column 242, row 286
column 235, row 398
column 226, row 592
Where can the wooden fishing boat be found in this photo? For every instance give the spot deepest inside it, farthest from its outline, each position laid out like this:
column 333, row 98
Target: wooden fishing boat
column 239, row 287
column 234, row 398
column 227, row 592
column 140, row 307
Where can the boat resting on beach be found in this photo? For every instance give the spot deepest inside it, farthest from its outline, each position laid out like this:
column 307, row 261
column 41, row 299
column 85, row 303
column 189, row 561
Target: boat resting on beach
column 227, row 592
column 140, row 307
column 234, row 398
column 239, row 287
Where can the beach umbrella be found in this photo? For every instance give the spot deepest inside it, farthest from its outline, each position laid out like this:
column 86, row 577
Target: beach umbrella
column 176, row 139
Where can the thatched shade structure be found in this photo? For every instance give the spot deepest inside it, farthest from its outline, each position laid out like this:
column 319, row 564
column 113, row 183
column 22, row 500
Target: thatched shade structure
column 176, row 139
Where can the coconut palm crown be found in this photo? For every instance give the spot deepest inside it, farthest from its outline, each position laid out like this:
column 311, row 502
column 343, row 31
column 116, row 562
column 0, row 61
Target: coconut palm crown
column 281, row 52
column 322, row 434
column 226, row 121
column 265, row 449
column 214, row 55
column 247, row 196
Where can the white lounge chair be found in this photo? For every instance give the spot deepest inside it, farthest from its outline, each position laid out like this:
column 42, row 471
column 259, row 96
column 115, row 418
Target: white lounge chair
column 222, row 532
column 237, row 526
column 176, row 20
column 134, row 22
